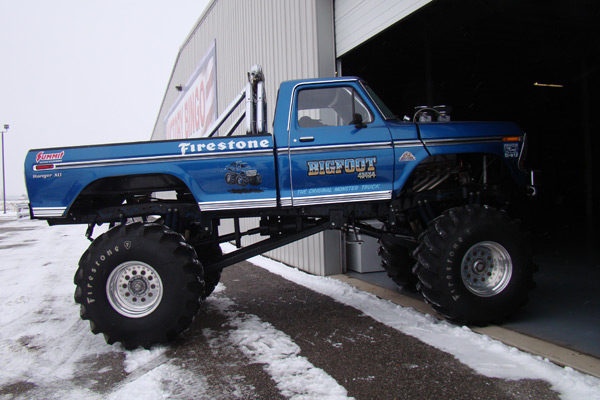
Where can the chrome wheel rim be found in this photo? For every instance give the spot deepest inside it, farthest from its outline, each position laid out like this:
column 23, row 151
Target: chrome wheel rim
column 486, row 269
column 134, row 289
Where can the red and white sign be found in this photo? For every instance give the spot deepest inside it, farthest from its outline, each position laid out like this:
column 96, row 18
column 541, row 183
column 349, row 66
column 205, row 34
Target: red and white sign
column 196, row 109
column 47, row 157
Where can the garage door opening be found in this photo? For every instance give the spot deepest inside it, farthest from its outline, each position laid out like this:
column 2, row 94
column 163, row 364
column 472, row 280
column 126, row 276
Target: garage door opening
column 534, row 63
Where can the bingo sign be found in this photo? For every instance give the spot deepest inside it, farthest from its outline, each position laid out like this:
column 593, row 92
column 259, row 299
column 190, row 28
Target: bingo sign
column 196, row 109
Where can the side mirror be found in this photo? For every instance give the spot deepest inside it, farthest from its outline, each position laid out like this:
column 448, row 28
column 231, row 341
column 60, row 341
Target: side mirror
column 357, row 121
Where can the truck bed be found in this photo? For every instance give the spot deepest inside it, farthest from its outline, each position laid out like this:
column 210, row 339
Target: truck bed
column 56, row 177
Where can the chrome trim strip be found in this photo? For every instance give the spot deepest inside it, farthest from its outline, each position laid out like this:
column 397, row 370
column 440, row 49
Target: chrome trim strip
column 342, row 147
column 236, row 204
column 154, row 159
column 286, row 201
column 373, row 145
column 41, row 212
column 457, row 141
column 342, row 198
column 408, row 143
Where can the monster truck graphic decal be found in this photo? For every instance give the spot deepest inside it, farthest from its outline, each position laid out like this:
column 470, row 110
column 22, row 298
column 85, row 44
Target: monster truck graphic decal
column 241, row 174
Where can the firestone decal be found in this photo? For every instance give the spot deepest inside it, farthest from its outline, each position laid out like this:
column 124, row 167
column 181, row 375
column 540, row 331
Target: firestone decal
column 363, row 167
column 43, row 157
column 221, row 146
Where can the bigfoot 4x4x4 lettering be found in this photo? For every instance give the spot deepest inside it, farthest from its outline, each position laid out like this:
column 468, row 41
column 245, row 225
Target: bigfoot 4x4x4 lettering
column 363, row 167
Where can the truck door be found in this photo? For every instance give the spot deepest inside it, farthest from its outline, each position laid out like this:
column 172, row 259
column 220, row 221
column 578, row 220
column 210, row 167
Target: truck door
column 340, row 150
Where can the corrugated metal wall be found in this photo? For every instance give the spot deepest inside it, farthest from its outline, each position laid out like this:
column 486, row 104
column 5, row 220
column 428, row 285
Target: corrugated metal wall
column 358, row 20
column 291, row 39
column 320, row 254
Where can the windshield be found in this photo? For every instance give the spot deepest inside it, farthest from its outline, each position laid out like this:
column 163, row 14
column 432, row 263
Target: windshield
column 385, row 111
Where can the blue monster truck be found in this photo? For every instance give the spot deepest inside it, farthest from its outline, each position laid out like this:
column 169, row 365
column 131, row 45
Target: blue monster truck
column 445, row 193
column 240, row 173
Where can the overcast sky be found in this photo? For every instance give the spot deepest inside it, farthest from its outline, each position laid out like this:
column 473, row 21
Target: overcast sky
column 76, row 72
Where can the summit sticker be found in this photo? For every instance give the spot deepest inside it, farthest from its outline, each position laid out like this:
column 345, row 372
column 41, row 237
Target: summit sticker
column 45, row 157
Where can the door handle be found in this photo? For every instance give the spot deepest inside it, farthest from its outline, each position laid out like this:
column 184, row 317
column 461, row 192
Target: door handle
column 307, row 139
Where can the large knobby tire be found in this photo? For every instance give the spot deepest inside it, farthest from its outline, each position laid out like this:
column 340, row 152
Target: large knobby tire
column 207, row 253
column 211, row 281
column 398, row 263
column 139, row 285
column 474, row 265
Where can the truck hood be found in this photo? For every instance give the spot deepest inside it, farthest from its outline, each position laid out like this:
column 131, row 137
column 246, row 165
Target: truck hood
column 472, row 130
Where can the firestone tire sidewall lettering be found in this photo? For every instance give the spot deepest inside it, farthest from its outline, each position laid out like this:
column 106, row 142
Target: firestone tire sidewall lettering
column 453, row 263
column 106, row 260
column 119, row 247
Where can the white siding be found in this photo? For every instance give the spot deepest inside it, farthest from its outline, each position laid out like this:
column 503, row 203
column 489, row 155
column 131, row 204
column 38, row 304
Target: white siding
column 358, row 20
column 320, row 254
column 291, row 39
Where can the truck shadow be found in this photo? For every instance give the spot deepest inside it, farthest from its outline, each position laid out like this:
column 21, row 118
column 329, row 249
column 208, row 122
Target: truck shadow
column 241, row 191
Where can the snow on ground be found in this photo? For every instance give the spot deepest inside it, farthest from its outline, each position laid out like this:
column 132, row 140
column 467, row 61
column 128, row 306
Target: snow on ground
column 486, row 356
column 37, row 304
column 47, row 349
column 295, row 376
column 43, row 343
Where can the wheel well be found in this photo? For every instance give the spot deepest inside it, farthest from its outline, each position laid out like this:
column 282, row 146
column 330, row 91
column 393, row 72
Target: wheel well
column 115, row 190
column 451, row 180
column 451, row 171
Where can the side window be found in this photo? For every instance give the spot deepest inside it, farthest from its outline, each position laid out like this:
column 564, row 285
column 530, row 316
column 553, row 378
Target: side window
column 330, row 107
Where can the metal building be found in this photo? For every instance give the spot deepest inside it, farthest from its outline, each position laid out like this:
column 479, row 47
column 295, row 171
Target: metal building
column 481, row 57
column 290, row 39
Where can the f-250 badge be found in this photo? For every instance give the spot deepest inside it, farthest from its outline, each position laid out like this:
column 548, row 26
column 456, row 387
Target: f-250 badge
column 363, row 167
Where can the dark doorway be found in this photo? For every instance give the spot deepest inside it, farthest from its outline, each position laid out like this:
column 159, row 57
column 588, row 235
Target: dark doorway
column 533, row 62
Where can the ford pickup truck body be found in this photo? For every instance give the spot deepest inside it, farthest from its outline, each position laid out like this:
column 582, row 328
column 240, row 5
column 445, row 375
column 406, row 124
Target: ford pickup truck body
column 299, row 166
column 337, row 158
